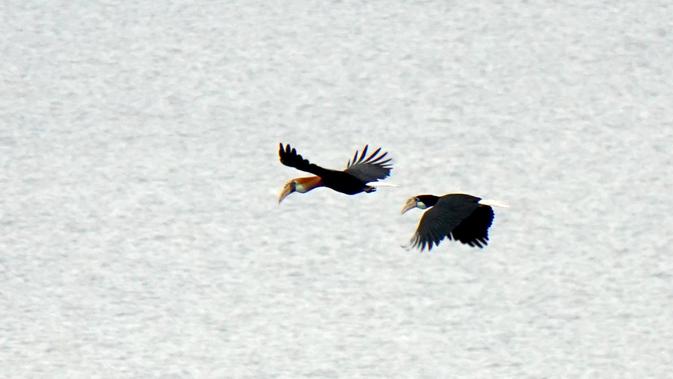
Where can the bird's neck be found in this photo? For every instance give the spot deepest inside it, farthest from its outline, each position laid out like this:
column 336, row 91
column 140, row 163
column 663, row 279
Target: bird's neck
column 428, row 200
column 303, row 185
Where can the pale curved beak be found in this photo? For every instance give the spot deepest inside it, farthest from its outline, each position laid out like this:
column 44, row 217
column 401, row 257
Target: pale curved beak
column 410, row 204
column 287, row 189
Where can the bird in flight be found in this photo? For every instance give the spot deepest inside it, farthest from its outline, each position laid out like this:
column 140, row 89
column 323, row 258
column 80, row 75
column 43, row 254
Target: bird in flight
column 356, row 178
column 456, row 216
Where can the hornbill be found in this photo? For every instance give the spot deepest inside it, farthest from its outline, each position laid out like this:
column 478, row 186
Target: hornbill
column 354, row 179
column 457, row 216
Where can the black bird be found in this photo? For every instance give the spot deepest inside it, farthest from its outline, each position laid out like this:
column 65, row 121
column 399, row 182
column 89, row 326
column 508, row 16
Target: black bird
column 457, row 216
column 354, row 179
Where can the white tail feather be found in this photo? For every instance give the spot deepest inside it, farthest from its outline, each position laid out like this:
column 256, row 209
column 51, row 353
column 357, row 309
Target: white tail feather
column 377, row 184
column 493, row 203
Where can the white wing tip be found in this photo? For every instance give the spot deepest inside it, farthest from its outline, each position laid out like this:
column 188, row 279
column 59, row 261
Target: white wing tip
column 494, row 203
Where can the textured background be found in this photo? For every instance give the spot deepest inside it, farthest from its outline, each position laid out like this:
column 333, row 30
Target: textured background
column 139, row 230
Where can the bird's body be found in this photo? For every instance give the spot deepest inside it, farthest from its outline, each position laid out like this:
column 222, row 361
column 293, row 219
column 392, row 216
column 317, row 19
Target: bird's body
column 457, row 216
column 353, row 180
column 343, row 182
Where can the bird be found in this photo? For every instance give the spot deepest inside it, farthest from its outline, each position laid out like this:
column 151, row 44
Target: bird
column 356, row 178
column 456, row 216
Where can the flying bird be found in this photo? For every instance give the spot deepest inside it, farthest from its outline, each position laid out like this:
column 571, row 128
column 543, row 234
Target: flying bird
column 456, row 216
column 356, row 178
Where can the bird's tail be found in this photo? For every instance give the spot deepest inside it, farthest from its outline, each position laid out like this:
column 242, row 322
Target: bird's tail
column 378, row 184
column 494, row 203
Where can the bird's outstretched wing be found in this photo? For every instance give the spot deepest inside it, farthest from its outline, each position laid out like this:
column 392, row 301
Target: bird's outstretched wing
column 289, row 157
column 474, row 229
column 461, row 221
column 371, row 168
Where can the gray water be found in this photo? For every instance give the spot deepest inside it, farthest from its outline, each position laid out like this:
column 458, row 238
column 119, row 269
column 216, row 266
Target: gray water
column 140, row 234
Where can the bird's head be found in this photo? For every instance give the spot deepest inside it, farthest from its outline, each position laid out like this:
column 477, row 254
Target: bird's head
column 420, row 202
column 301, row 185
column 288, row 188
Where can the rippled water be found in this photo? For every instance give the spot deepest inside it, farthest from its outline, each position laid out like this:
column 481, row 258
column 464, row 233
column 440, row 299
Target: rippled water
column 140, row 234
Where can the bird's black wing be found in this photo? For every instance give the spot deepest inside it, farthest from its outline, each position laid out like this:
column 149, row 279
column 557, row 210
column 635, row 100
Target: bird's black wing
column 474, row 229
column 440, row 221
column 289, row 157
column 371, row 168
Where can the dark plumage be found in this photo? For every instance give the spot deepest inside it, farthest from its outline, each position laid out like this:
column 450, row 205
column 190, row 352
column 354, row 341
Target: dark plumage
column 360, row 171
column 455, row 216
